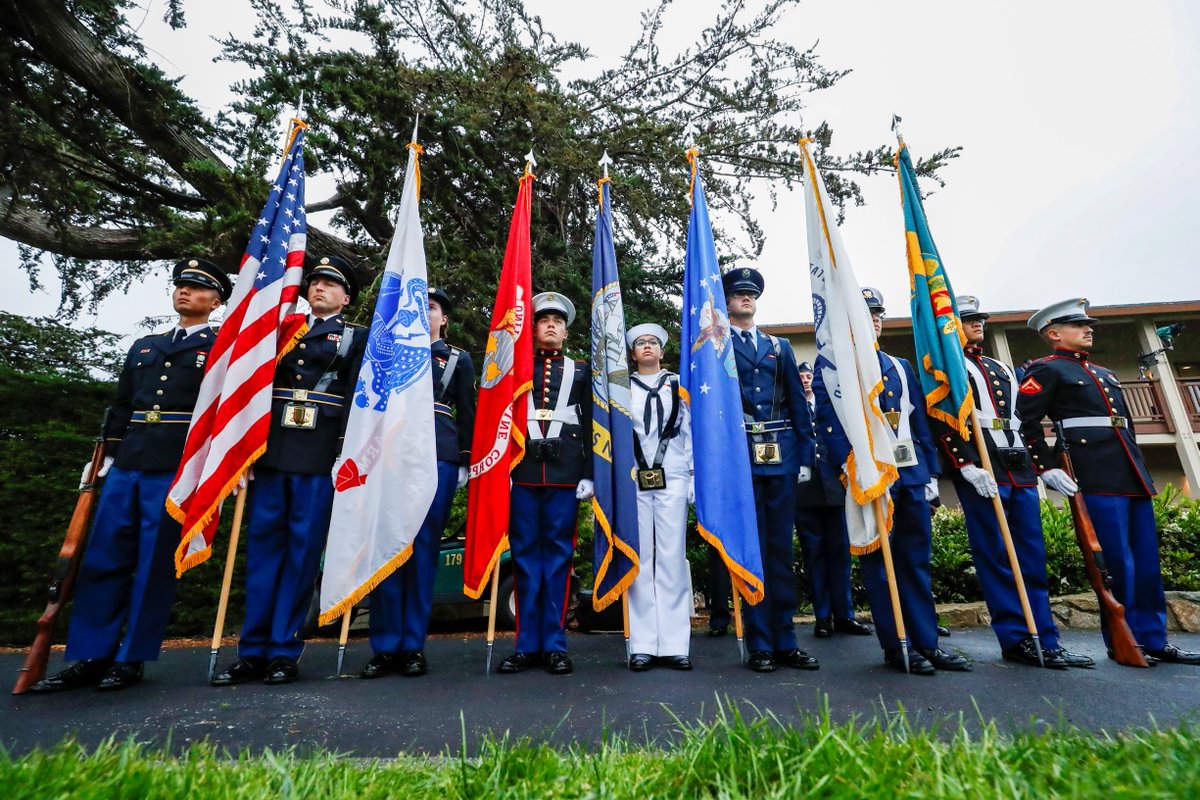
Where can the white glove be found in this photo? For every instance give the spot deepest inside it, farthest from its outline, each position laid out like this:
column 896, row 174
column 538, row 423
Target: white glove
column 105, row 466
column 1060, row 482
column 462, row 477
column 246, row 476
column 692, row 491
column 985, row 484
column 585, row 490
column 931, row 490
column 805, row 475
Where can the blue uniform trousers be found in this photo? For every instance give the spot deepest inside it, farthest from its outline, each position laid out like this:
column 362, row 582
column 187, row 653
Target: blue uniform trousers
column 289, row 520
column 1023, row 510
column 1125, row 528
column 911, row 541
column 541, row 535
column 826, row 547
column 402, row 603
column 769, row 625
column 127, row 579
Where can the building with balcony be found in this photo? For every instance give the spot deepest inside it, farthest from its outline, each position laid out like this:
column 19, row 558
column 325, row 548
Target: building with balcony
column 1161, row 385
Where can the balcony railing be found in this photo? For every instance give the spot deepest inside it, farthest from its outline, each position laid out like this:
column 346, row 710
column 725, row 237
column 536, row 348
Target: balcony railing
column 1147, row 407
column 1190, row 389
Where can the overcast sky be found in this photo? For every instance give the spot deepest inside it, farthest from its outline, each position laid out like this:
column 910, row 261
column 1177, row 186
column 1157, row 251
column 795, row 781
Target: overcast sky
column 1078, row 174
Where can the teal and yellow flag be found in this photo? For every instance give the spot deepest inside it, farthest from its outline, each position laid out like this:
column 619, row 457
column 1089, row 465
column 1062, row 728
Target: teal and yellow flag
column 937, row 329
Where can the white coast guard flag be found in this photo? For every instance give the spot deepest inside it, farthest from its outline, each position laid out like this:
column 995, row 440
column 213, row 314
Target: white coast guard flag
column 848, row 363
column 387, row 476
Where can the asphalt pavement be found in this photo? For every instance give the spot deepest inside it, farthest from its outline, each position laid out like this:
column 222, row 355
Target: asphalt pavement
column 456, row 705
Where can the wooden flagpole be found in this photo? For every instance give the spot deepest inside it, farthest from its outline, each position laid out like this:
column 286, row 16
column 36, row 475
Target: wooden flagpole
column 491, row 631
column 885, row 545
column 223, row 604
column 738, row 629
column 625, row 625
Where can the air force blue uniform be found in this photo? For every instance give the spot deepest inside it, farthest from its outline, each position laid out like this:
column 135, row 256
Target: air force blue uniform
column 401, row 605
column 911, row 531
column 291, row 496
column 127, row 578
column 994, row 386
column 773, row 402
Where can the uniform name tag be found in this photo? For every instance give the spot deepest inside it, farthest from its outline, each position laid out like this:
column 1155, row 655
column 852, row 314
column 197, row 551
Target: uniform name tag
column 652, row 479
column 767, row 453
column 904, row 453
column 300, row 416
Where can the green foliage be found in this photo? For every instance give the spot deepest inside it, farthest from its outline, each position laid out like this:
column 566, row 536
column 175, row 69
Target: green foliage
column 40, row 345
column 733, row 756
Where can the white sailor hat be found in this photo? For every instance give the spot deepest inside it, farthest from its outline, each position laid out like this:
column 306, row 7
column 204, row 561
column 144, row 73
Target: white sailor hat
column 968, row 307
column 552, row 302
column 646, row 329
column 1073, row 310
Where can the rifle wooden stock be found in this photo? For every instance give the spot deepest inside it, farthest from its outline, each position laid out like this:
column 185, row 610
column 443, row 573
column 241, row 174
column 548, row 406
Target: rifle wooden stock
column 62, row 582
column 1124, row 647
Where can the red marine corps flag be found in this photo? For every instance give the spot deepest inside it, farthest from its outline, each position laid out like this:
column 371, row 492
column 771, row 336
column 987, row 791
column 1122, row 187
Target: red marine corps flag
column 507, row 374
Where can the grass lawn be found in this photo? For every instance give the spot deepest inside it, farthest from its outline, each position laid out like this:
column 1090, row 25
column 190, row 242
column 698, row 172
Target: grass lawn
column 727, row 758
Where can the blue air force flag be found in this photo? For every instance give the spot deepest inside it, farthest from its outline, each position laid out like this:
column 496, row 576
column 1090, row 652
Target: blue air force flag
column 615, row 501
column 387, row 476
column 725, row 512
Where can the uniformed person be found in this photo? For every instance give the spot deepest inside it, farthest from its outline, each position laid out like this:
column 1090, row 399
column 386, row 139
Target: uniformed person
column 660, row 598
column 127, row 577
column 821, row 529
column 903, row 404
column 994, row 387
column 780, row 437
column 547, row 487
column 291, row 495
column 401, row 605
column 1086, row 398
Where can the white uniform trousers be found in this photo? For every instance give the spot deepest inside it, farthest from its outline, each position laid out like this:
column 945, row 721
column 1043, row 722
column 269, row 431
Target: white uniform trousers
column 660, row 599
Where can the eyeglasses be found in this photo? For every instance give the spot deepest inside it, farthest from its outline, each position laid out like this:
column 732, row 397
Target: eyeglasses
column 645, row 342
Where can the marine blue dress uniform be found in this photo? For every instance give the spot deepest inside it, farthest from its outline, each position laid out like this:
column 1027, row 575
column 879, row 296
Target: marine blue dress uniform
column 821, row 529
column 1086, row 398
column 547, row 486
column 779, row 435
column 401, row 605
column 291, row 495
column 994, row 387
column 127, row 577
column 904, row 407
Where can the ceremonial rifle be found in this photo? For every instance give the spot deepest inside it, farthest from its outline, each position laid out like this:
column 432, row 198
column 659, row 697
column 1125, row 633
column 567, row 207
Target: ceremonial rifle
column 1124, row 647
column 62, row 582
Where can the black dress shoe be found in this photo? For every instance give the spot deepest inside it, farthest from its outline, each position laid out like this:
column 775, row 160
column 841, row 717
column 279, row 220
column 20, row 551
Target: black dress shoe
column 249, row 668
column 852, row 626
column 380, row 664
column 823, row 628
column 282, row 670
column 1024, row 652
column 519, row 662
column 761, row 661
column 639, row 662
column 1074, row 659
column 797, row 659
column 677, row 662
column 78, row 675
column 943, row 630
column 1173, row 655
column 121, row 675
column 940, row 659
column 559, row 663
column 414, row 665
column 718, row 630
column 917, row 663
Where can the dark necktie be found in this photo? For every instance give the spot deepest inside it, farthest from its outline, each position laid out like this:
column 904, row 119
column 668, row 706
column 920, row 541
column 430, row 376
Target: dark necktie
column 179, row 334
column 748, row 338
column 655, row 395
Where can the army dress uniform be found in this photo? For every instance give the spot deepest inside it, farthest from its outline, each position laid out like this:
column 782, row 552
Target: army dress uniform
column 660, row 598
column 779, row 436
column 126, row 580
column 994, row 387
column 544, row 506
column 291, row 495
column 1086, row 399
column 402, row 603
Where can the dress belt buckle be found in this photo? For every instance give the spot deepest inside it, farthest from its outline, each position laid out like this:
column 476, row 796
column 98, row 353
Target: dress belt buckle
column 300, row 395
column 153, row 416
column 543, row 414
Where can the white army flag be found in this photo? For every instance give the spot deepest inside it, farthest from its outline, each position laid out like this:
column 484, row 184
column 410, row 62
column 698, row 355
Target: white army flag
column 387, row 476
column 848, row 363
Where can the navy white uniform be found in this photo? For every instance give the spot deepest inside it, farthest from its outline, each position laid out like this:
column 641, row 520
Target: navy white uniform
column 994, row 386
column 401, row 605
column 776, row 413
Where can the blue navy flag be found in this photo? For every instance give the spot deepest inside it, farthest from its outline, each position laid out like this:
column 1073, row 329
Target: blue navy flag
column 725, row 512
column 615, row 501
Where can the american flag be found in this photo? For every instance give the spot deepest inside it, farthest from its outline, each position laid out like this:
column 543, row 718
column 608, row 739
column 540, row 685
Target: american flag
column 233, row 412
